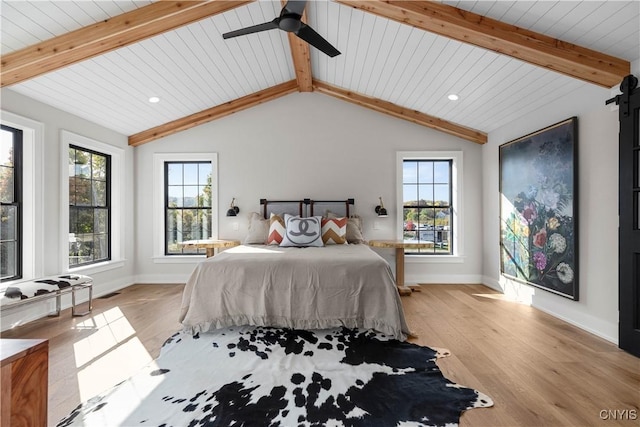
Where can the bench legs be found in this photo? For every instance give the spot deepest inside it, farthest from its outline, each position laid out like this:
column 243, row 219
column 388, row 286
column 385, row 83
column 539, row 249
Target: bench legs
column 58, row 305
column 74, row 307
column 73, row 301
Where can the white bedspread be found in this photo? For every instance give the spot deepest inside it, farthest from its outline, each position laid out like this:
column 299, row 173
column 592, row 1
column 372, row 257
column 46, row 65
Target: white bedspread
column 302, row 288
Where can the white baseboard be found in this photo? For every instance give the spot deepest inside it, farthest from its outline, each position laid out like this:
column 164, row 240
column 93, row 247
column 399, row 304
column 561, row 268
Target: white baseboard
column 557, row 308
column 492, row 283
column 162, row 278
column 605, row 330
column 466, row 279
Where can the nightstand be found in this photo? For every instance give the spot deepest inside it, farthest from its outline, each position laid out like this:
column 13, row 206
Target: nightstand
column 400, row 246
column 211, row 245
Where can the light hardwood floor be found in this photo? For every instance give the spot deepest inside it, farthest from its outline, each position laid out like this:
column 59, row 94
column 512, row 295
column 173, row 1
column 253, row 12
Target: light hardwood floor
column 540, row 371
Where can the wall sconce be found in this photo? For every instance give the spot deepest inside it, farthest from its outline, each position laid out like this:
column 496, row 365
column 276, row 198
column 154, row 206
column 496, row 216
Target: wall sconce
column 381, row 210
column 233, row 209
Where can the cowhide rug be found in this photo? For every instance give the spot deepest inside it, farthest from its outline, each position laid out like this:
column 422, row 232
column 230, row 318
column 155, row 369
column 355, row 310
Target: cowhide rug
column 259, row 376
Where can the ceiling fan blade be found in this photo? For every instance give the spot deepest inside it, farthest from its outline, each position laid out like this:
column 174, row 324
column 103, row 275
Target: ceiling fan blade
column 309, row 35
column 253, row 29
column 294, row 6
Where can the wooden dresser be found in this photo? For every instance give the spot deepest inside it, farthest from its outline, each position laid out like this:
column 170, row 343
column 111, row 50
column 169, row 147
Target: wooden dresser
column 25, row 381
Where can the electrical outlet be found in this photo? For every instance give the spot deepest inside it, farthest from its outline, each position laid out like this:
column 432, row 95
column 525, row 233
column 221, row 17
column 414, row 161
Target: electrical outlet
column 376, row 225
column 235, row 226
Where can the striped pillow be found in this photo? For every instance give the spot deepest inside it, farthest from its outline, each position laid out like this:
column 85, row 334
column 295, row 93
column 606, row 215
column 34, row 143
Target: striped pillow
column 276, row 230
column 334, row 231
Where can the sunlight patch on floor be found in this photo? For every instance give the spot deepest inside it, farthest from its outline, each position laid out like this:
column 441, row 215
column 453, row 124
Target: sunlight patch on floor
column 100, row 375
column 512, row 292
column 111, row 354
column 111, row 328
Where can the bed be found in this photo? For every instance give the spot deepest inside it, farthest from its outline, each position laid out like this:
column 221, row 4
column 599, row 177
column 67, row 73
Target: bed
column 297, row 287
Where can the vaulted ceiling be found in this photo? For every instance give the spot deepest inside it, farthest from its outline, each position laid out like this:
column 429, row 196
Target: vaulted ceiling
column 103, row 60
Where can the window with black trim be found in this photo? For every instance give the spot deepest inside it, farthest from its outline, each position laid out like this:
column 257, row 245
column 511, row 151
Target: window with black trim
column 11, row 203
column 89, row 206
column 187, row 201
column 427, row 208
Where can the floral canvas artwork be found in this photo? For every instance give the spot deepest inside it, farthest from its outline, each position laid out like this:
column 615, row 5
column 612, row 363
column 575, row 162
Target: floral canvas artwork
column 538, row 209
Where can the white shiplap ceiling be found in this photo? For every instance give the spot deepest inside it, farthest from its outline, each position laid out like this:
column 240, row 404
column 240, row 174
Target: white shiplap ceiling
column 193, row 69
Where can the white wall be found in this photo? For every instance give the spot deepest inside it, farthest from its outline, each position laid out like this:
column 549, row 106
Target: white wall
column 310, row 145
column 597, row 309
column 54, row 121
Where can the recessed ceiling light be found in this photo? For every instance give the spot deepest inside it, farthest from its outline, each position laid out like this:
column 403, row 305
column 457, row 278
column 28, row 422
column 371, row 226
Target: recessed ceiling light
column 453, row 97
column 154, row 99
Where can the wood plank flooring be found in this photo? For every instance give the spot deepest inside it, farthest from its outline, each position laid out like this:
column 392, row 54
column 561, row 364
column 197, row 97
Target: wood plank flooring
column 540, row 371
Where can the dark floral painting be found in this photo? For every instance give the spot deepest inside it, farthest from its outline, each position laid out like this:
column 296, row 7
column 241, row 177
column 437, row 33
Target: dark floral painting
column 538, row 209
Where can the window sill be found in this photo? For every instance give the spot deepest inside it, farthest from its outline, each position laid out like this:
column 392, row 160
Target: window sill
column 98, row 268
column 178, row 259
column 434, row 259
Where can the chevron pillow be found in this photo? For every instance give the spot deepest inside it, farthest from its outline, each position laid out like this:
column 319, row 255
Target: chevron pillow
column 276, row 230
column 334, row 231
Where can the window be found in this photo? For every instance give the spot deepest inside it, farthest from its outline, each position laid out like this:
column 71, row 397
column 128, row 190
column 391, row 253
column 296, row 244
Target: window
column 188, row 204
column 11, row 203
column 429, row 201
column 185, row 204
column 92, row 229
column 89, row 206
column 31, row 255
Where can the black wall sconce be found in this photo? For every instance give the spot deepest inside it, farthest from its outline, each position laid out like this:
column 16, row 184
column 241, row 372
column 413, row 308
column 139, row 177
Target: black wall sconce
column 380, row 209
column 233, row 209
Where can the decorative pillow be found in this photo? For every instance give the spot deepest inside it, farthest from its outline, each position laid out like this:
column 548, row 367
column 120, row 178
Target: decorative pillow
column 276, row 230
column 354, row 228
column 334, row 231
column 302, row 232
column 258, row 230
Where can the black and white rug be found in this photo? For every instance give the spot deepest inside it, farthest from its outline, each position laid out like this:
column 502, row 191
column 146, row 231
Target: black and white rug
column 258, row 376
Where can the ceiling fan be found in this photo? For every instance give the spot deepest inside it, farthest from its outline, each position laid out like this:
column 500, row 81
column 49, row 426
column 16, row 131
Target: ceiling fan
column 289, row 21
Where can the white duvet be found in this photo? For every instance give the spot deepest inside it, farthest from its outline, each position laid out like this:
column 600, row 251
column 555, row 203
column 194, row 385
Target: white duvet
column 301, row 288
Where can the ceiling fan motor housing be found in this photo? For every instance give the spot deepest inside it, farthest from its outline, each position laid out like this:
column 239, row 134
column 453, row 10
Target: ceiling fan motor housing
column 290, row 23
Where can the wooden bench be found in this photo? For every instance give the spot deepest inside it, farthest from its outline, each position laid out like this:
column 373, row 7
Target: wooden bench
column 32, row 291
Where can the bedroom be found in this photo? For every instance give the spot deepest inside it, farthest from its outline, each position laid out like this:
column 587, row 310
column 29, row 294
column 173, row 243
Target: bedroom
column 313, row 145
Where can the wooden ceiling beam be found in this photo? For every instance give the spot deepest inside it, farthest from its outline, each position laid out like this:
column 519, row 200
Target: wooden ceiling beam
column 301, row 58
column 534, row 48
column 402, row 113
column 105, row 36
column 213, row 113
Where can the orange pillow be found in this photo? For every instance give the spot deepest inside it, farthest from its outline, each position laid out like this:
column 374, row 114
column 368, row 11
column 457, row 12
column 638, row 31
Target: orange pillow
column 276, row 230
column 334, row 231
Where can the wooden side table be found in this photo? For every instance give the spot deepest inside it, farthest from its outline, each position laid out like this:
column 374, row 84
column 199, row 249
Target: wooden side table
column 210, row 245
column 400, row 246
column 25, row 382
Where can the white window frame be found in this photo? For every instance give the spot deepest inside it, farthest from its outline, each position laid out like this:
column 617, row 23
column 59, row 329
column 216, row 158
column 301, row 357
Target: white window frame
column 32, row 195
column 117, row 202
column 457, row 212
column 159, row 160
